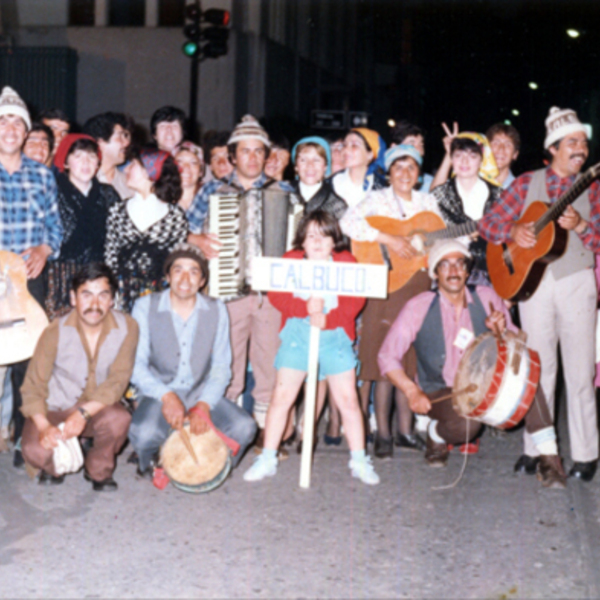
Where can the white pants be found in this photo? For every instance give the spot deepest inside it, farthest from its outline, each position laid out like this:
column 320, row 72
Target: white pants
column 564, row 311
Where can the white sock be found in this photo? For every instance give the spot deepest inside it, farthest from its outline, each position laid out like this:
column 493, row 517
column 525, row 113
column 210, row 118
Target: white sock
column 421, row 423
column 269, row 454
column 545, row 440
column 433, row 434
column 358, row 455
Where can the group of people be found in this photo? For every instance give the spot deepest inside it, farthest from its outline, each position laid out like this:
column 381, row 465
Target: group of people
column 116, row 244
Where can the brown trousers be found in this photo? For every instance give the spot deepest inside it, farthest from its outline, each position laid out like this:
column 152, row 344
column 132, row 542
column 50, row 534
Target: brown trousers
column 254, row 323
column 457, row 430
column 108, row 428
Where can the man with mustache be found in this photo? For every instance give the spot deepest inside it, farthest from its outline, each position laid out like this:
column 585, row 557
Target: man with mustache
column 441, row 325
column 77, row 376
column 563, row 308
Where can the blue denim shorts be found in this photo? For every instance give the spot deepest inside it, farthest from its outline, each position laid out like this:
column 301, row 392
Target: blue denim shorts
column 336, row 354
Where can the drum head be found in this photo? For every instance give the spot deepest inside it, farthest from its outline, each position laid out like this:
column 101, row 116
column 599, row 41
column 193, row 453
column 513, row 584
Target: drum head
column 477, row 366
column 213, row 455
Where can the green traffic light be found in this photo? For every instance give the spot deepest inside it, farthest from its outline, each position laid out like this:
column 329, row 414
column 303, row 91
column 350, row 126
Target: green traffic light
column 190, row 49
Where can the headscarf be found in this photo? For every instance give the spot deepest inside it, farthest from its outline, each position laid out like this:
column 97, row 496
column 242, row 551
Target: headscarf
column 488, row 169
column 153, row 161
column 377, row 146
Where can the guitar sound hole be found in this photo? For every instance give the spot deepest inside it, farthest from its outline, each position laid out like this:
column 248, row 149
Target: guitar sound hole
column 508, row 259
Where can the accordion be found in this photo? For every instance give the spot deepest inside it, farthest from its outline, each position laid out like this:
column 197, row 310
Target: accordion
column 258, row 222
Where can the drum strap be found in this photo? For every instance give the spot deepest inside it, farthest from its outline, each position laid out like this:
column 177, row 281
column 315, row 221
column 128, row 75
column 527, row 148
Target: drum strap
column 430, row 344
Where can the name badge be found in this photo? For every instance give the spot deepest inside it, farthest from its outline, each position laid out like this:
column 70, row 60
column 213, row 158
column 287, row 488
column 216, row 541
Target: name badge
column 464, row 338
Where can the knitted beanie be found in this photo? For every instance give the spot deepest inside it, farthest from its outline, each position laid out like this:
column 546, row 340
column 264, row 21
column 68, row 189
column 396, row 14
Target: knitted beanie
column 249, row 129
column 315, row 139
column 442, row 248
column 12, row 104
column 401, row 151
column 562, row 122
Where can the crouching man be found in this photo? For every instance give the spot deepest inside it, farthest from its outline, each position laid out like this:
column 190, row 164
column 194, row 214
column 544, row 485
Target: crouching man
column 183, row 362
column 77, row 376
column 441, row 325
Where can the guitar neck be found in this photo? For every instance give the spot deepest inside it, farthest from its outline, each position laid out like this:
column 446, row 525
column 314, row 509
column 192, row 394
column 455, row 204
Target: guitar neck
column 567, row 198
column 454, row 231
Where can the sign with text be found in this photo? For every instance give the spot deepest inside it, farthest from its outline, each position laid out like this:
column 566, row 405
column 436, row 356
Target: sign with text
column 319, row 277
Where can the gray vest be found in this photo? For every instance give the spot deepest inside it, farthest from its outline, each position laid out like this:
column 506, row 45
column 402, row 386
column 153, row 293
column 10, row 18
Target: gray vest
column 164, row 347
column 576, row 256
column 431, row 345
column 70, row 372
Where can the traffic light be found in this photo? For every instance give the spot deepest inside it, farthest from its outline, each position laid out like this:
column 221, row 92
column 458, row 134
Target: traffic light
column 216, row 35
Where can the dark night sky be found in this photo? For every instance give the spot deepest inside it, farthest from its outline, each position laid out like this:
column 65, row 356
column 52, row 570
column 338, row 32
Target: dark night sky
column 472, row 62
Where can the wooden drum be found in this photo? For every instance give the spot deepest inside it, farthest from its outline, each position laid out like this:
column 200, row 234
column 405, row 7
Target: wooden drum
column 213, row 455
column 506, row 374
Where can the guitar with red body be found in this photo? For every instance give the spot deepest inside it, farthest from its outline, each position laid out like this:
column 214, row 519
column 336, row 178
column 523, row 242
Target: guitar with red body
column 516, row 272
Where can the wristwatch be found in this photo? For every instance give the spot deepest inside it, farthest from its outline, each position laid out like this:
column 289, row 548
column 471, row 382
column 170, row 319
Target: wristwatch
column 84, row 413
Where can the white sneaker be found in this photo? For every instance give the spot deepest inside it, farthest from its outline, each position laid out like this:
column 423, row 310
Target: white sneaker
column 262, row 467
column 363, row 470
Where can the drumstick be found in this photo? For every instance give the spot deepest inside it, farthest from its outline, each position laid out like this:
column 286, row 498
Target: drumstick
column 470, row 388
column 188, row 444
column 496, row 334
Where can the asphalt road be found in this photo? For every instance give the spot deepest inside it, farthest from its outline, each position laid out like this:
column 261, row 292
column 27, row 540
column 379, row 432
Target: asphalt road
column 493, row 535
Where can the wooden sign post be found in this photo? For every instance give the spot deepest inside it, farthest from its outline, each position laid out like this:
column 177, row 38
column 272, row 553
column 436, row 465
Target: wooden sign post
column 317, row 278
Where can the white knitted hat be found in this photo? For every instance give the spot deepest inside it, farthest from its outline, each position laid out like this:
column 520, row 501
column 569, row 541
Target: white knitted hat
column 561, row 122
column 12, row 104
column 442, row 248
column 249, row 129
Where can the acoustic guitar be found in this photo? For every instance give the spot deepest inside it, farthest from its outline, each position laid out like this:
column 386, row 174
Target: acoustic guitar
column 22, row 319
column 516, row 272
column 422, row 230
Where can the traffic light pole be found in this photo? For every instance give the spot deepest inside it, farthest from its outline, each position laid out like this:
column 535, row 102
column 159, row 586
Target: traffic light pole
column 193, row 112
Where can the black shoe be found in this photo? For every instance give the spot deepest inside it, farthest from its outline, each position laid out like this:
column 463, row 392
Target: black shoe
column 384, row 447
column 133, row 459
column 332, row 440
column 18, row 460
column 106, row 485
column 527, row 464
column 147, row 473
column 47, row 479
column 584, row 470
column 411, row 442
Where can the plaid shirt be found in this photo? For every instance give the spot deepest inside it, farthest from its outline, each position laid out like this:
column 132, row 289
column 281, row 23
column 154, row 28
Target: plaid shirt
column 495, row 225
column 29, row 209
column 198, row 211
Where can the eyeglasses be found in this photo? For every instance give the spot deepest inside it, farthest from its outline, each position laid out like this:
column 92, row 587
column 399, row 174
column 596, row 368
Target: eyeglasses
column 460, row 265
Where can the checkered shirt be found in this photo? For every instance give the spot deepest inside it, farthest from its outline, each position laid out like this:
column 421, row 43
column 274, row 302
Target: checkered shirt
column 29, row 209
column 496, row 224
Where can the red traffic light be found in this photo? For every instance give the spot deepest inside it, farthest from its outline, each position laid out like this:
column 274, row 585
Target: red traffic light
column 216, row 16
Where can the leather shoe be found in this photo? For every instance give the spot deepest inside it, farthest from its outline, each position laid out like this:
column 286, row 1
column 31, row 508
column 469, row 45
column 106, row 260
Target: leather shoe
column 584, row 470
column 410, row 442
column 550, row 472
column 47, row 479
column 527, row 464
column 383, row 447
column 436, row 454
column 106, row 485
column 18, row 460
column 147, row 473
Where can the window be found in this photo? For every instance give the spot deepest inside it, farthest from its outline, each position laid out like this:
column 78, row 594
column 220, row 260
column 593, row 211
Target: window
column 171, row 13
column 127, row 13
column 81, row 13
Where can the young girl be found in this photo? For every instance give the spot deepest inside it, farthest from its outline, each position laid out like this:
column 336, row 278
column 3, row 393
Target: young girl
column 318, row 238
